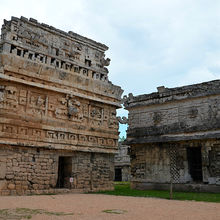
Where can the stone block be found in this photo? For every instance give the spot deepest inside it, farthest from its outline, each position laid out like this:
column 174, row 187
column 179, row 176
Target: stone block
column 9, row 176
column 2, row 170
column 11, row 186
column 212, row 180
column 3, row 185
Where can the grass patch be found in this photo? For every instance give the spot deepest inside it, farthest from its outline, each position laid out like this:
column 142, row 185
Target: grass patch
column 26, row 213
column 123, row 189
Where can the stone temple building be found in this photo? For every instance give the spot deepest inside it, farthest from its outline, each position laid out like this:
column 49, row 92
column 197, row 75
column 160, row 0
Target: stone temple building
column 122, row 163
column 58, row 125
column 174, row 135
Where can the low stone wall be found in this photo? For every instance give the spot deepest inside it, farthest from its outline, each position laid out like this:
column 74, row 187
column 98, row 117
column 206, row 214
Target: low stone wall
column 34, row 171
column 150, row 166
column 93, row 171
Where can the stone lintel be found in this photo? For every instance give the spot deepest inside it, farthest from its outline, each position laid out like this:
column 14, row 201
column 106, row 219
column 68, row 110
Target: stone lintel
column 54, row 146
column 173, row 138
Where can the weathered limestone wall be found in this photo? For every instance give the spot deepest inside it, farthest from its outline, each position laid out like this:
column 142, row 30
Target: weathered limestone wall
column 171, row 113
column 41, row 118
column 183, row 123
column 57, row 108
column 27, row 170
column 55, row 58
column 93, row 171
column 151, row 163
column 32, row 170
column 55, row 87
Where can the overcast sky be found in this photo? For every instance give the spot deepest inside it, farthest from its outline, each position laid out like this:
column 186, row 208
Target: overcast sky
column 151, row 42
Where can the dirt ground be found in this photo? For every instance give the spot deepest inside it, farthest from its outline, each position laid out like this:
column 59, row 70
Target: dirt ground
column 92, row 206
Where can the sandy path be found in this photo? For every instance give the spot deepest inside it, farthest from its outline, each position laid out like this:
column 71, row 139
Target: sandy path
column 91, row 206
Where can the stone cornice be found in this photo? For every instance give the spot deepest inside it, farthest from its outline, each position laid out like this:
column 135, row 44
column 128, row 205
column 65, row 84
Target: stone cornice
column 165, row 95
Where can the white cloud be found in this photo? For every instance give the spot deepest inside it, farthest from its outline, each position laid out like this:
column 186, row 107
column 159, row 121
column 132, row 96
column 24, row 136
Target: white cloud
column 152, row 42
column 198, row 75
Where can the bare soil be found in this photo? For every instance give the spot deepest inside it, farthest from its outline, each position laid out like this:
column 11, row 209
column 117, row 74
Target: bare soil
column 93, row 206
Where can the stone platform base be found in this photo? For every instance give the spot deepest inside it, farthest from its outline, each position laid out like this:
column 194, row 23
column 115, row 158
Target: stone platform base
column 199, row 187
column 49, row 191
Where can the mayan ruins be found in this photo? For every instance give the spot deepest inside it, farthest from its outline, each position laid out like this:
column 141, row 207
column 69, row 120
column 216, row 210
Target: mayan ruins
column 122, row 163
column 58, row 125
column 174, row 134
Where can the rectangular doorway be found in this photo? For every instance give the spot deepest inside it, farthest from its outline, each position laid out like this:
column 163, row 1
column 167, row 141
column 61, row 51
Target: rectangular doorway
column 64, row 172
column 194, row 157
column 118, row 174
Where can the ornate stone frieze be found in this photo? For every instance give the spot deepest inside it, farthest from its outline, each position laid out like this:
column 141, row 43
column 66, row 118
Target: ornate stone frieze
column 56, row 106
column 53, row 136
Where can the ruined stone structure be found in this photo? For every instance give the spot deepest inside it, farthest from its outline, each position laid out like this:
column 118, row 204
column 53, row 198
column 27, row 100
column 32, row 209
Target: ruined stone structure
column 58, row 126
column 122, row 163
column 174, row 134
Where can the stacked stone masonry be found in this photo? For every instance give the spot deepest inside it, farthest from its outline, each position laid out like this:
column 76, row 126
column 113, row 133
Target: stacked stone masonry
column 174, row 135
column 57, row 108
column 26, row 171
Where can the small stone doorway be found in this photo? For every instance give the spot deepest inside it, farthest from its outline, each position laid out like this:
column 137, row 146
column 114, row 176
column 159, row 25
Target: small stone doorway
column 118, row 174
column 195, row 163
column 64, row 172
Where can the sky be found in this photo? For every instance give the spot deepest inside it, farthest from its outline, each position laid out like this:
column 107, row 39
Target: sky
column 151, row 42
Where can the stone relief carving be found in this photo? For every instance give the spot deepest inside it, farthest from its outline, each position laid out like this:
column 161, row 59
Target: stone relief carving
column 70, row 108
column 193, row 112
column 73, row 107
column 37, row 104
column 52, row 44
column 51, row 136
column 40, row 102
column 65, row 108
column 126, row 99
column 105, row 62
column 113, row 122
column 96, row 116
column 9, row 98
column 214, row 167
column 214, row 109
column 122, row 120
column 96, row 112
column 157, row 117
column 2, row 88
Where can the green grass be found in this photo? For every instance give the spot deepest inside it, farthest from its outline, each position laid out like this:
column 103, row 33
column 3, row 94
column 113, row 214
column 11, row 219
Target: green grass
column 123, row 189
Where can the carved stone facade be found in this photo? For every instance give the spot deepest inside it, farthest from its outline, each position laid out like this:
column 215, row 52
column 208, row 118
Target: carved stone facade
column 122, row 163
column 56, row 106
column 174, row 134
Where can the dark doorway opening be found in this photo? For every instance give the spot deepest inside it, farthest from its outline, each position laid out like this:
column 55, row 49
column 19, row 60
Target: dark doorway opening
column 195, row 163
column 118, row 174
column 64, row 172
